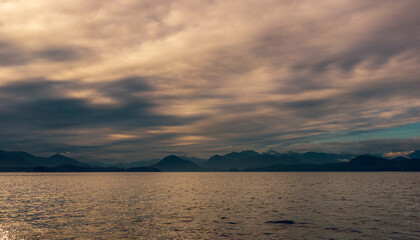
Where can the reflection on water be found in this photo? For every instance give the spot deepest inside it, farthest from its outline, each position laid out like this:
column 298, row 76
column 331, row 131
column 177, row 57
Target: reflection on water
column 210, row 205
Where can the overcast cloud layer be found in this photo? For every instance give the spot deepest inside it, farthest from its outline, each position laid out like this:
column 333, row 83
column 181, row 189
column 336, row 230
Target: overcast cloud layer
column 131, row 80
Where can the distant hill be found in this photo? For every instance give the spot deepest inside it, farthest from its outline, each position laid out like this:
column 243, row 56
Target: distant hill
column 174, row 163
column 371, row 163
column 248, row 159
column 57, row 160
column 252, row 159
column 16, row 160
column 400, row 159
column 359, row 163
column 24, row 160
column 144, row 163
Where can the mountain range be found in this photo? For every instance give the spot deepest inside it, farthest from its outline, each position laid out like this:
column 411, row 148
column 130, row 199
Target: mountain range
column 22, row 160
column 362, row 163
column 198, row 161
column 248, row 160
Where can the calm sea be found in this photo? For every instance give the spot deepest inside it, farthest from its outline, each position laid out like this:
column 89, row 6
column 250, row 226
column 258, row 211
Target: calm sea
column 210, row 206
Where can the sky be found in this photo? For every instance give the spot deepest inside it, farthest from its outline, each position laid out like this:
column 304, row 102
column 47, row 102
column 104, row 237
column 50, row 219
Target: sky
column 132, row 80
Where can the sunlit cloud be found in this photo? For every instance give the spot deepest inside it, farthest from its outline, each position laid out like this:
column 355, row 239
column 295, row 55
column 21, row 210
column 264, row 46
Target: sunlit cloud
column 119, row 136
column 397, row 154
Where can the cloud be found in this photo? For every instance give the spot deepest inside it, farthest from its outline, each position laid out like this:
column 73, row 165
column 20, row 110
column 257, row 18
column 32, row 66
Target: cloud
column 397, row 154
column 15, row 55
column 40, row 113
column 59, row 54
column 373, row 146
column 48, row 104
column 119, row 80
column 11, row 55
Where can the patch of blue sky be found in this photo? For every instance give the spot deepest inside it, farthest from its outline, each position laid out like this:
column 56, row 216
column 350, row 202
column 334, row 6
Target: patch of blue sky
column 411, row 130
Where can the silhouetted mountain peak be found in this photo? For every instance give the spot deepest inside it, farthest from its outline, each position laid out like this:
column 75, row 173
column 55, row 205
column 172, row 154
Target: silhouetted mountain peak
column 217, row 156
column 172, row 158
column 26, row 160
column 216, row 161
column 58, row 156
column 60, row 159
column 400, row 159
column 175, row 163
column 15, row 159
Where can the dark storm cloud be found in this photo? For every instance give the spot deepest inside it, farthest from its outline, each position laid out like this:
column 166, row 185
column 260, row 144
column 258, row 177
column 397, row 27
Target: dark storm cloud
column 43, row 103
column 30, row 87
column 37, row 114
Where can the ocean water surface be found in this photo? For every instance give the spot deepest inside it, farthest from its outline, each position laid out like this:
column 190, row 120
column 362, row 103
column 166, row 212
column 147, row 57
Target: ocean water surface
column 210, row 205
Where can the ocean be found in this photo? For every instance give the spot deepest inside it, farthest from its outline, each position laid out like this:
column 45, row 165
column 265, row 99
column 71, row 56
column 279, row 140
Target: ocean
column 210, row 205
